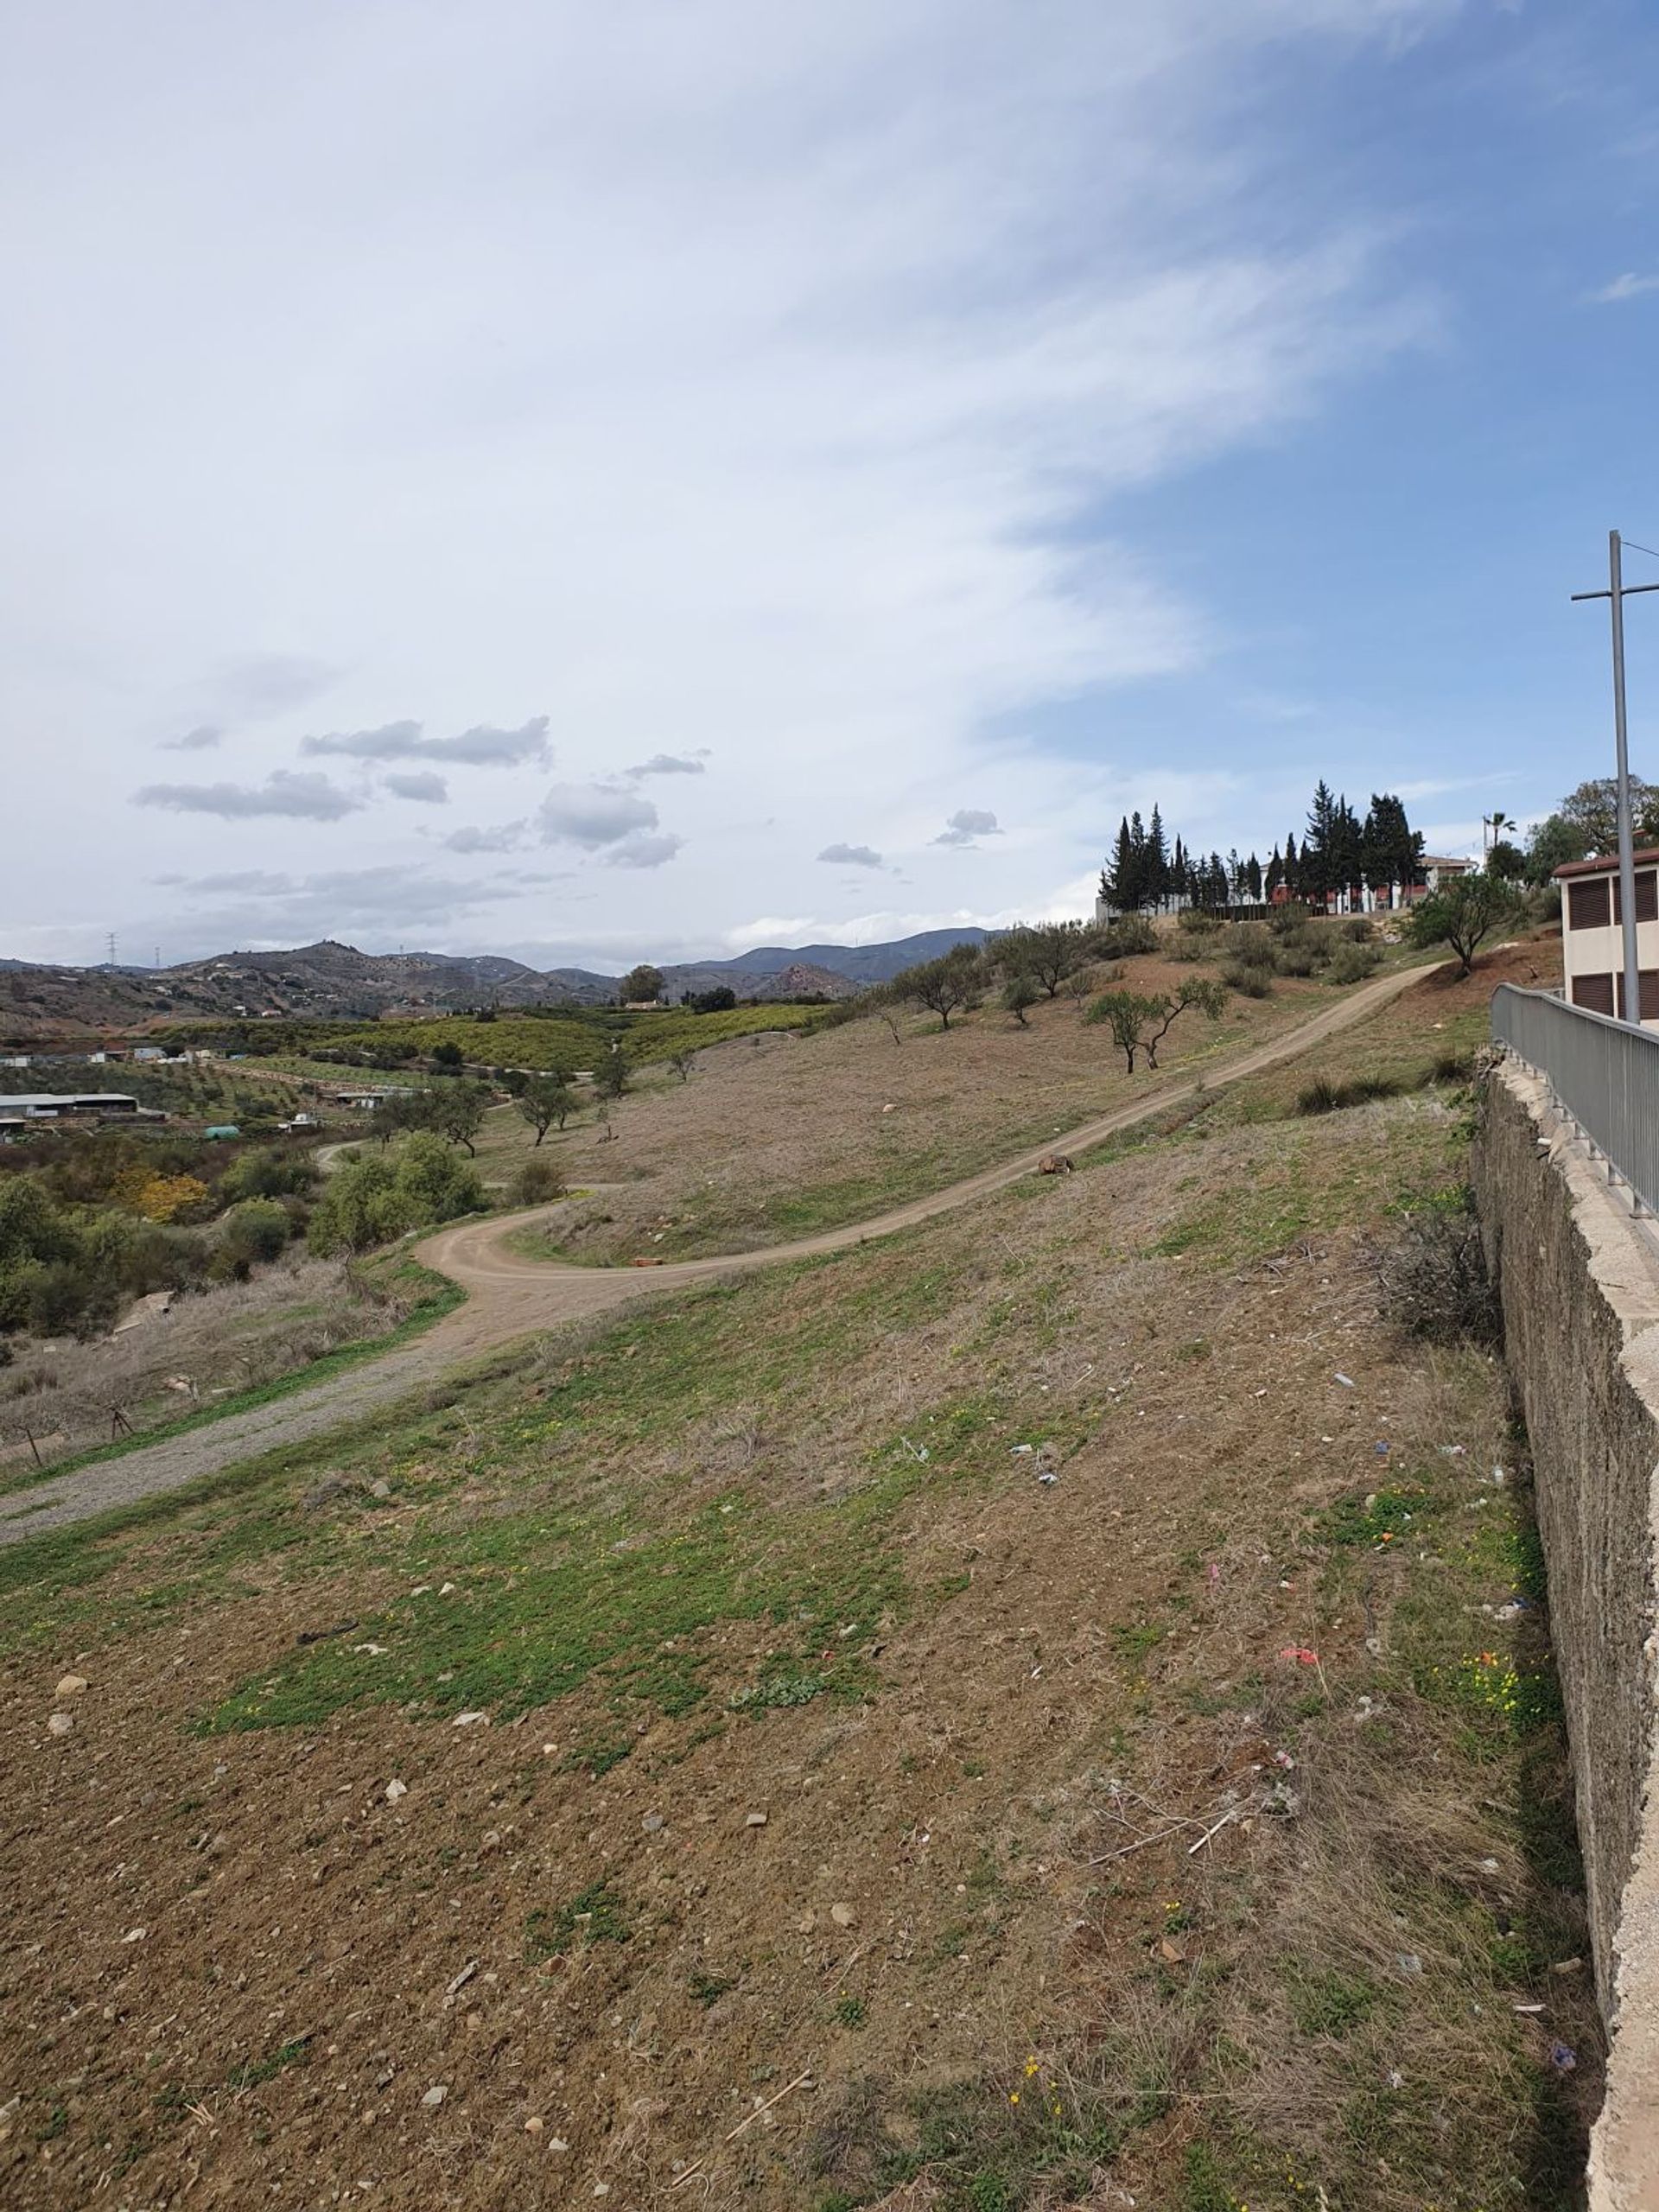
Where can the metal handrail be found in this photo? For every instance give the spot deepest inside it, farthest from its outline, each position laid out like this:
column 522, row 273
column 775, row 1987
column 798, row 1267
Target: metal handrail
column 1603, row 1073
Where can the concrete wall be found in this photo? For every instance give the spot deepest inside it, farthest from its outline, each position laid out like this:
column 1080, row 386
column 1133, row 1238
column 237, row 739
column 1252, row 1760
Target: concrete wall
column 1580, row 1282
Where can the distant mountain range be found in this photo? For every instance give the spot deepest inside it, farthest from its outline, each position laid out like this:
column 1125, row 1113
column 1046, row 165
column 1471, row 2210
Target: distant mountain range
column 335, row 981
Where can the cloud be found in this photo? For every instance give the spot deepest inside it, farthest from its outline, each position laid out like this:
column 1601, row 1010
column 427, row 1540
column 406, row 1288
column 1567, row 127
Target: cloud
column 966, row 823
column 418, row 783
column 481, row 747
column 592, row 815
column 852, row 855
column 1630, row 286
column 274, row 907
column 303, row 796
column 505, row 837
column 641, row 849
column 195, row 740
column 666, row 764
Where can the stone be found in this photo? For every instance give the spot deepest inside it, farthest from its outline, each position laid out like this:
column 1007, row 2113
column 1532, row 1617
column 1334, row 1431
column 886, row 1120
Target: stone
column 652, row 1823
column 470, row 1720
column 557, row 2142
column 435, row 2095
column 755, row 1821
column 380, row 1488
column 396, row 1789
column 533, row 2125
column 71, row 1686
column 844, row 1916
column 59, row 1724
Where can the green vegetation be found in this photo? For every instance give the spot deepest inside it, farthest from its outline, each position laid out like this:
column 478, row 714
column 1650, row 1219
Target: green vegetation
column 564, row 1039
column 102, row 1219
column 373, row 1199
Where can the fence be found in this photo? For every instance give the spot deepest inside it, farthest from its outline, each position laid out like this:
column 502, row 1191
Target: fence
column 1605, row 1073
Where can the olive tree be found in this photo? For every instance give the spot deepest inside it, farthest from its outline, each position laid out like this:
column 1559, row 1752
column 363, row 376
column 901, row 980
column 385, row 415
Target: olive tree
column 954, row 982
column 1139, row 1020
column 544, row 1101
column 1463, row 913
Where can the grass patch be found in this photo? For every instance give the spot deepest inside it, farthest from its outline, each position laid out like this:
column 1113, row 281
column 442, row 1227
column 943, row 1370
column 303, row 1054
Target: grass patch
column 596, row 1914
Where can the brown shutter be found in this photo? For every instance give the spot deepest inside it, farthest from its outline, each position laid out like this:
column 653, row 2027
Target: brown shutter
column 1647, row 897
column 1588, row 903
column 1648, row 981
column 1595, row 992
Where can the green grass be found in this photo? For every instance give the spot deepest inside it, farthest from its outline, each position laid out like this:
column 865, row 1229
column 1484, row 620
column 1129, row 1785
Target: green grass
column 596, row 1914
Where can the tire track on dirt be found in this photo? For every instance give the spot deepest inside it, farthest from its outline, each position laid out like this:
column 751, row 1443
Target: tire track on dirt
column 509, row 1297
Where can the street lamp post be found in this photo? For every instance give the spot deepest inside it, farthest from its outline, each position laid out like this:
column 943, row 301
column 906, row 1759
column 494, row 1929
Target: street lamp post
column 1618, row 591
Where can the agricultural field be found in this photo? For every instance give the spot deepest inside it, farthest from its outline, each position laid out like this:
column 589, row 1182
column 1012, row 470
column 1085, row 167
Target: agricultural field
column 1053, row 1707
column 560, row 1044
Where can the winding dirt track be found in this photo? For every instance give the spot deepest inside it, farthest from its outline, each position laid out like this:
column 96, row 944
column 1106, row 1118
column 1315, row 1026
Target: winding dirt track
column 510, row 1297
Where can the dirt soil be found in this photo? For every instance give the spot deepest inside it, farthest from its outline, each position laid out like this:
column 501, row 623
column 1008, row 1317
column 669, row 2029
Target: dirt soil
column 1140, row 1835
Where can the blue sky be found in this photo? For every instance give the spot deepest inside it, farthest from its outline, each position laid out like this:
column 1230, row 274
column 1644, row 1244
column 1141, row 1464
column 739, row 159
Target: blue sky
column 639, row 484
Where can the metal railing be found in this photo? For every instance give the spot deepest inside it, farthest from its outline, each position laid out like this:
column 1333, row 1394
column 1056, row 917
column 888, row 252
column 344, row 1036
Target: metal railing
column 1603, row 1073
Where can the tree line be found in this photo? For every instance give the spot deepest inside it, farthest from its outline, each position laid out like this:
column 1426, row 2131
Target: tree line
column 1340, row 851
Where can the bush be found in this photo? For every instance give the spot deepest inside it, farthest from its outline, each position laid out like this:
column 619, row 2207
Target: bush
column 537, row 1182
column 1127, row 935
column 250, row 1234
column 1434, row 1282
column 1295, row 957
column 370, row 1201
column 1198, row 921
column 268, row 1174
column 1352, row 963
column 1324, row 1096
column 1249, row 982
column 1250, row 946
column 1287, row 921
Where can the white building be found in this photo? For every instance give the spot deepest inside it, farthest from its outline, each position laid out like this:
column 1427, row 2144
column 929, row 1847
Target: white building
column 1592, row 934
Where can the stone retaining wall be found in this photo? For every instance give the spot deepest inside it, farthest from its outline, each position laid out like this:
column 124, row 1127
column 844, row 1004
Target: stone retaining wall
column 1579, row 1278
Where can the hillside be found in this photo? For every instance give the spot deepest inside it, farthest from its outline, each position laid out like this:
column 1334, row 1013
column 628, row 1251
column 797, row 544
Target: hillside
column 329, row 980
column 1047, row 1708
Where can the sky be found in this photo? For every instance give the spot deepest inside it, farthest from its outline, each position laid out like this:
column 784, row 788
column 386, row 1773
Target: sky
column 647, row 481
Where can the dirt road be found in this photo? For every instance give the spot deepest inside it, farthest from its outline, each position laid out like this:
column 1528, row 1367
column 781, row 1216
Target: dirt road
column 510, row 1297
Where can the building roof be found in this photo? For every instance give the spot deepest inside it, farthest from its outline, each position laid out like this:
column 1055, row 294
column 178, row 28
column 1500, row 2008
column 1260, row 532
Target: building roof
column 1444, row 860
column 1605, row 863
column 21, row 1101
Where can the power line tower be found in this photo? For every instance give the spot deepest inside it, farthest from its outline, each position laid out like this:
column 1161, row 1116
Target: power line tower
column 110, row 941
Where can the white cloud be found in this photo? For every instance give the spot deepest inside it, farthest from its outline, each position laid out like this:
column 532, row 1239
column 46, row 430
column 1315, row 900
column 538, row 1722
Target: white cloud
column 852, row 855
column 966, row 824
column 420, row 783
column 505, row 837
column 743, row 377
column 198, row 740
column 299, row 795
column 1630, row 286
column 592, row 815
column 666, row 764
column 642, row 849
column 483, row 747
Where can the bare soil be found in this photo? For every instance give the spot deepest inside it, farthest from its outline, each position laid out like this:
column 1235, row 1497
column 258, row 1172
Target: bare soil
column 1145, row 1836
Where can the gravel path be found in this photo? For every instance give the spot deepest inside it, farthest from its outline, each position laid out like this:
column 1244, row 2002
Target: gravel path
column 510, row 1297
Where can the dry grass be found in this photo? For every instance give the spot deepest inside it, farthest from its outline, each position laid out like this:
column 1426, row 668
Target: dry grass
column 777, row 1135
column 645, row 1523
column 226, row 1339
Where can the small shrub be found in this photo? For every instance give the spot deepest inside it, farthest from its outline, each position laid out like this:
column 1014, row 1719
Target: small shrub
column 1250, row 946
column 1250, row 983
column 1434, row 1280
column 1357, row 929
column 1324, row 1096
column 1198, row 921
column 1127, row 935
column 537, row 1182
column 1352, row 963
column 1295, row 957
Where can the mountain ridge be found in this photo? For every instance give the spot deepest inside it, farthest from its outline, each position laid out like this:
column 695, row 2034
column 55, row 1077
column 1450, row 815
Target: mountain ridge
column 329, row 980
